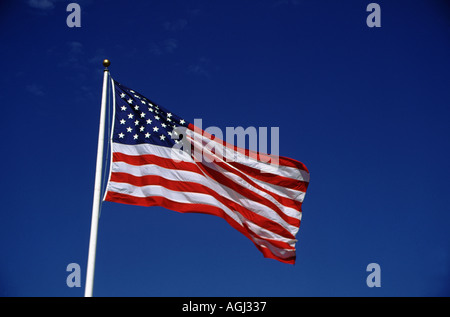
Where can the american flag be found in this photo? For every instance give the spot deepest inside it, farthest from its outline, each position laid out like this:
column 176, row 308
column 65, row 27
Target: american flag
column 151, row 166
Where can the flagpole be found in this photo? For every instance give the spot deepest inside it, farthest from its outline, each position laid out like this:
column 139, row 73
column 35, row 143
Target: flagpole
column 97, row 188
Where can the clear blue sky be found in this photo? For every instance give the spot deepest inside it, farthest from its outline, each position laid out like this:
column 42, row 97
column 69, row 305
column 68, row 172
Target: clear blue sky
column 366, row 109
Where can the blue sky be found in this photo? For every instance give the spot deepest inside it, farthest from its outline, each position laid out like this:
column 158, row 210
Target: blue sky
column 366, row 109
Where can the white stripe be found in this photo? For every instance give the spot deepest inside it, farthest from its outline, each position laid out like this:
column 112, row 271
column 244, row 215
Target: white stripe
column 160, row 151
column 181, row 175
column 291, row 212
column 231, row 155
column 281, row 253
column 165, row 152
column 267, row 234
column 289, row 193
column 176, row 196
column 193, row 198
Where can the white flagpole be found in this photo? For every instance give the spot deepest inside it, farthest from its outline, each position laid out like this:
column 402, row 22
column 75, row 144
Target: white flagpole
column 97, row 189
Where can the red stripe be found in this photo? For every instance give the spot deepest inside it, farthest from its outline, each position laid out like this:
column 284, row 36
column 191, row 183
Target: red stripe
column 187, row 208
column 283, row 161
column 145, row 159
column 272, row 178
column 249, row 193
column 288, row 202
column 198, row 188
column 202, row 169
column 236, row 168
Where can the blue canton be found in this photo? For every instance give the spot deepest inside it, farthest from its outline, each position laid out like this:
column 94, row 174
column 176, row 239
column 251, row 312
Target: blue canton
column 139, row 120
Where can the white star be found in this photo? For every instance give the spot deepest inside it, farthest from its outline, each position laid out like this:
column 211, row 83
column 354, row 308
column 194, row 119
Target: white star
column 143, row 102
column 121, row 135
column 142, row 114
column 169, row 115
column 132, row 91
column 150, row 109
column 136, row 107
column 137, row 97
column 147, row 135
column 130, row 116
column 169, row 120
column 136, row 122
column 135, row 136
column 130, row 101
column 122, row 121
column 123, row 108
column 129, row 129
column 163, row 125
column 141, row 129
column 162, row 137
column 182, row 121
column 155, row 129
column 156, row 117
column 149, row 121
column 122, row 95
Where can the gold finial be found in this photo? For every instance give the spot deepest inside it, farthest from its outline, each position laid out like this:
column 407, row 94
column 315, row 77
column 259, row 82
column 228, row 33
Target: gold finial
column 106, row 63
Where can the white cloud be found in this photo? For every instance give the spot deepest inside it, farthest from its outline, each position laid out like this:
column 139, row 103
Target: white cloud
column 170, row 45
column 166, row 46
column 99, row 56
column 286, row 2
column 201, row 67
column 35, row 89
column 177, row 25
column 75, row 51
column 74, row 55
column 47, row 5
column 42, row 4
column 75, row 48
column 155, row 49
